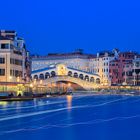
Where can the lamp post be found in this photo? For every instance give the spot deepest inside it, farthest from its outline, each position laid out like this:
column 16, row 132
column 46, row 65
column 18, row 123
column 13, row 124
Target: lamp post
column 18, row 79
column 10, row 78
column 134, row 75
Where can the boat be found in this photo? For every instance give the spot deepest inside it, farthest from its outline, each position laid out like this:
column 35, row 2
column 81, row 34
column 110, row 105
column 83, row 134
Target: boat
column 17, row 99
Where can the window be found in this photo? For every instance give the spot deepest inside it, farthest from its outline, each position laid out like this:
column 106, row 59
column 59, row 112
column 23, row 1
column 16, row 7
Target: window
column 12, row 72
column 18, row 73
column 4, row 46
column 137, row 64
column 2, row 72
column 2, row 60
column 17, row 52
column 16, row 62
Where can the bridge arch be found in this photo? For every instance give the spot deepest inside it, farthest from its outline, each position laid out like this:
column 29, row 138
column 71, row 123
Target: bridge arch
column 41, row 76
column 70, row 73
column 83, row 83
column 86, row 77
column 75, row 75
column 92, row 79
column 81, row 76
column 53, row 73
column 35, row 77
column 47, row 75
column 98, row 81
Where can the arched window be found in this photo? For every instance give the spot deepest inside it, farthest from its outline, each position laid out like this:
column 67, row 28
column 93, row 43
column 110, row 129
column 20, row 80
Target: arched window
column 87, row 78
column 92, row 79
column 53, row 74
column 41, row 76
column 81, row 76
column 76, row 75
column 98, row 81
column 47, row 75
column 69, row 73
column 36, row 77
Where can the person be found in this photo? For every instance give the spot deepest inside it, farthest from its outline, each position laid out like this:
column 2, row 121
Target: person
column 19, row 95
column 11, row 94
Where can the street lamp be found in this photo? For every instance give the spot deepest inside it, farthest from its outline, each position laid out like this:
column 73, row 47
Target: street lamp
column 34, row 81
column 31, row 85
column 18, row 79
column 69, row 84
column 41, row 81
column 134, row 74
column 10, row 78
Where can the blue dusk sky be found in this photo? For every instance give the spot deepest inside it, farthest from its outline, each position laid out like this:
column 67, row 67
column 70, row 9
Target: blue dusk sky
column 64, row 25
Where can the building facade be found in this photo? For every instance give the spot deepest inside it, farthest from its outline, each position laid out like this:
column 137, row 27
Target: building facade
column 136, row 71
column 102, row 66
column 14, row 58
column 76, row 60
column 121, row 69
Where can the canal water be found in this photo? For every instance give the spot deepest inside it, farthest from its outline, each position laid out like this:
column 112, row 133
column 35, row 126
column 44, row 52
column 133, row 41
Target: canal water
column 77, row 117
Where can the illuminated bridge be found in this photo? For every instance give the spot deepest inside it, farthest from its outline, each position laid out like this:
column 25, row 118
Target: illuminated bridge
column 61, row 73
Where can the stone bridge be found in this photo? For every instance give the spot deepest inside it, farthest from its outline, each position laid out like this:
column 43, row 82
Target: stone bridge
column 83, row 83
column 65, row 74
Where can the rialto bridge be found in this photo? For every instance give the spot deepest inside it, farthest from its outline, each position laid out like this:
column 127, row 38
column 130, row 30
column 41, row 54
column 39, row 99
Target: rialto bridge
column 62, row 73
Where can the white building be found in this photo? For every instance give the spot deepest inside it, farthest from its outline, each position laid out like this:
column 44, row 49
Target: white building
column 13, row 57
column 102, row 66
column 76, row 60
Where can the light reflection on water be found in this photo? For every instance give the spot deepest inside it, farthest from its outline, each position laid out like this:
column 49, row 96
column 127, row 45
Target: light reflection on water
column 67, row 117
column 3, row 104
column 69, row 101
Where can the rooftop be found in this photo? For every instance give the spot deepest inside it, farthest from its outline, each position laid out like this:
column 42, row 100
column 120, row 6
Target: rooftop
column 7, row 31
column 64, row 55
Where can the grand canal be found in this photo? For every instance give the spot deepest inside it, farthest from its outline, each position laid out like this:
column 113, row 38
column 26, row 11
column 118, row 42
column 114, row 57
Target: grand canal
column 77, row 117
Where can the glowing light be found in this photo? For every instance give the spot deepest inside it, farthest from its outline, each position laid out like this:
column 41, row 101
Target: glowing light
column 34, row 81
column 69, row 101
column 31, row 85
column 3, row 103
column 10, row 77
column 69, row 84
column 41, row 81
column 18, row 79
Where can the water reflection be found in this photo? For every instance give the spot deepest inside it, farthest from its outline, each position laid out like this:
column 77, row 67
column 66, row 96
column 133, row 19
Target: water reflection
column 69, row 101
column 3, row 104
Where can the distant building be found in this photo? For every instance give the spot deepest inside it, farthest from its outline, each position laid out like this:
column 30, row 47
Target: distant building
column 136, row 70
column 102, row 66
column 121, row 69
column 14, row 58
column 77, row 60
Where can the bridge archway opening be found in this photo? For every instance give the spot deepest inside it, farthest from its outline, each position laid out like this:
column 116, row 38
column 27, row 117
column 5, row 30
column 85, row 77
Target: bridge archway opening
column 98, row 81
column 87, row 78
column 69, row 85
column 81, row 76
column 70, row 73
column 41, row 76
column 53, row 74
column 75, row 75
column 36, row 77
column 92, row 79
column 47, row 75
